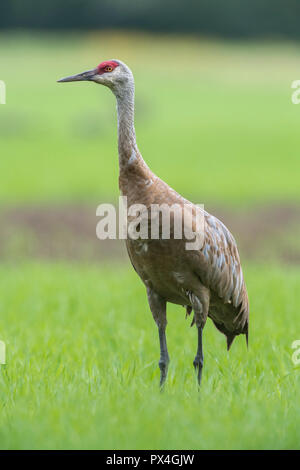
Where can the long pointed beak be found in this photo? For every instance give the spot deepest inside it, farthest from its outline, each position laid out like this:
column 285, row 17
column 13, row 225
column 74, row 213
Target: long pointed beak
column 85, row 76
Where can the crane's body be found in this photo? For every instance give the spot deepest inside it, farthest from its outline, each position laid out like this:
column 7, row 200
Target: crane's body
column 209, row 280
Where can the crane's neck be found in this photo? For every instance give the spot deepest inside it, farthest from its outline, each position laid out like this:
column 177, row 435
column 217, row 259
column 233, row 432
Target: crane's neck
column 131, row 163
column 126, row 132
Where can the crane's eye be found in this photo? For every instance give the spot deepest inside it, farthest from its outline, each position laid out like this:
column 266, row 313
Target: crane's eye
column 108, row 68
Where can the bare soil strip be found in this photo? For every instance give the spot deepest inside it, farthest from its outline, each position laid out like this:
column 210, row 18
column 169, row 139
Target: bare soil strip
column 69, row 233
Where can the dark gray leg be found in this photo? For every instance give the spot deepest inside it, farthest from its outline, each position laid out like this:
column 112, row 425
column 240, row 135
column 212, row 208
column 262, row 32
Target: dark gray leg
column 158, row 308
column 198, row 361
column 164, row 356
column 202, row 297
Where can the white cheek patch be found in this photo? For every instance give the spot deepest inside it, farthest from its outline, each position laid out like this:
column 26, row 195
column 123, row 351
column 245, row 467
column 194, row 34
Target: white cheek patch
column 132, row 157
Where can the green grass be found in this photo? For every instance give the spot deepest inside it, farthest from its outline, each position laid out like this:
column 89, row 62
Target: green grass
column 214, row 119
column 82, row 353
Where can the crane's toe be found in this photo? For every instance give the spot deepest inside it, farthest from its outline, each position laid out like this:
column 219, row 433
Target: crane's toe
column 163, row 365
column 198, row 365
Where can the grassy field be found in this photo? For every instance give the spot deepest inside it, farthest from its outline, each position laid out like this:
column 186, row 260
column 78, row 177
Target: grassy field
column 215, row 120
column 82, row 353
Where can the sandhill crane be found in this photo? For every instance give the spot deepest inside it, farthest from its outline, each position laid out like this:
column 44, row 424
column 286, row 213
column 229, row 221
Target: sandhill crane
column 208, row 281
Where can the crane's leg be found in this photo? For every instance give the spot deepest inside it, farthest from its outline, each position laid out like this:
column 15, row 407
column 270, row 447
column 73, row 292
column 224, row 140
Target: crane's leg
column 200, row 305
column 198, row 361
column 158, row 307
column 164, row 356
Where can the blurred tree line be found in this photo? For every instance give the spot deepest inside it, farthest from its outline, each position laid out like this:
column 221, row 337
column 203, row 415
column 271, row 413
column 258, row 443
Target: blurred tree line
column 228, row 18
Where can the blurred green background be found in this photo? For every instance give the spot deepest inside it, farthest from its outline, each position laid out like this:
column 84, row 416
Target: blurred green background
column 214, row 118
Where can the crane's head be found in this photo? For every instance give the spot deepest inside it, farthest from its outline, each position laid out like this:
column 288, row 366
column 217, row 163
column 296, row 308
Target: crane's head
column 111, row 73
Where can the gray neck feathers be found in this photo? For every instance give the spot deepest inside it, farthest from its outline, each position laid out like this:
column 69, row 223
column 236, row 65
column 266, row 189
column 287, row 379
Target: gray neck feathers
column 128, row 151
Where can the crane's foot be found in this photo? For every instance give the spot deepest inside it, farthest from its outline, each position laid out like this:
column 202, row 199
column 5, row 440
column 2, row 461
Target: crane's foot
column 163, row 365
column 198, row 365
